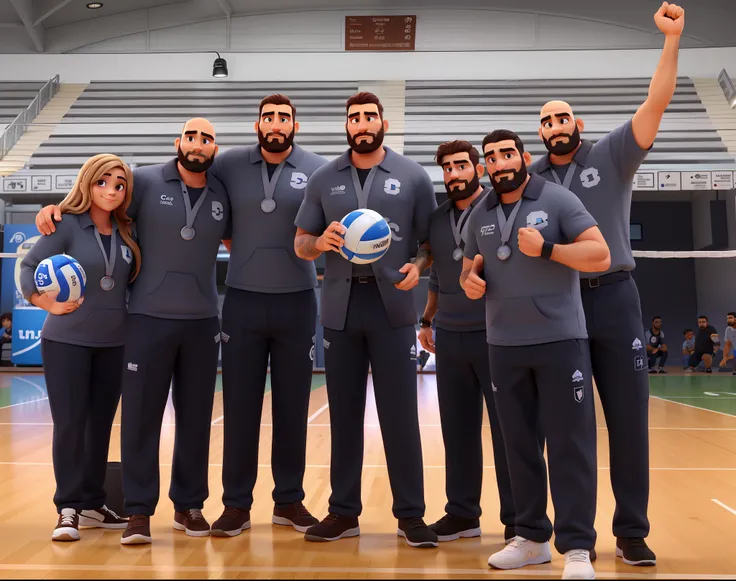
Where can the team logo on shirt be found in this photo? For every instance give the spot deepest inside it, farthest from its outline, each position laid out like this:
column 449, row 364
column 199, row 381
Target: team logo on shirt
column 166, row 200
column 298, row 180
column 487, row 230
column 413, row 352
column 589, row 177
column 395, row 229
column 126, row 254
column 335, row 190
column 636, row 345
column 577, row 377
column 537, row 219
column 217, row 210
column 392, row 186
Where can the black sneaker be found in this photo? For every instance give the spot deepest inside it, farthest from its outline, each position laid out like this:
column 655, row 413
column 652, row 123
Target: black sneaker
column 635, row 552
column 332, row 528
column 452, row 528
column 652, row 371
column 294, row 515
column 662, row 370
column 709, row 370
column 417, row 533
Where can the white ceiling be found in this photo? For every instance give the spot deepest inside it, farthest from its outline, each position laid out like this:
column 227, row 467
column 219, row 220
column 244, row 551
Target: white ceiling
column 709, row 22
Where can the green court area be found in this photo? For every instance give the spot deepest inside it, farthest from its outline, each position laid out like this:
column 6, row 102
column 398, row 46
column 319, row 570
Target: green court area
column 318, row 380
column 716, row 391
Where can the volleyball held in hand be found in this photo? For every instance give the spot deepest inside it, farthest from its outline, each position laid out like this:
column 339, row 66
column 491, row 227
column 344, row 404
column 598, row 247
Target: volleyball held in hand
column 367, row 236
column 63, row 274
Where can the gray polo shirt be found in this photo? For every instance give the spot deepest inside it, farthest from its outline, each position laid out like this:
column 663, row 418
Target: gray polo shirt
column 403, row 193
column 100, row 320
column 529, row 300
column 262, row 258
column 177, row 277
column 455, row 312
column 603, row 180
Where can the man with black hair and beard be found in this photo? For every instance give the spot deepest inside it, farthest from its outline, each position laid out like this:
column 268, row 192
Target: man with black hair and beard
column 602, row 175
column 368, row 314
column 525, row 243
column 463, row 373
column 181, row 212
column 269, row 313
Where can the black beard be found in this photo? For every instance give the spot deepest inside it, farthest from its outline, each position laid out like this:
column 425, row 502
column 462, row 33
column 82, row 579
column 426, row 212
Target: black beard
column 364, row 146
column 193, row 165
column 563, row 147
column 275, row 146
column 505, row 186
column 470, row 188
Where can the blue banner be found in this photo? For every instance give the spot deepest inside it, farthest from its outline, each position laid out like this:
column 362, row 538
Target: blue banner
column 27, row 319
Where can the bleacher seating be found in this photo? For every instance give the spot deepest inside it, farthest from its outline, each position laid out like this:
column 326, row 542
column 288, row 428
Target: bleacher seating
column 437, row 111
column 139, row 121
column 14, row 98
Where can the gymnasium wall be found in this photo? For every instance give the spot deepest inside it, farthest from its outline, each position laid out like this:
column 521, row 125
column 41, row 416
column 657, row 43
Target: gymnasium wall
column 667, row 287
column 715, row 279
column 590, row 64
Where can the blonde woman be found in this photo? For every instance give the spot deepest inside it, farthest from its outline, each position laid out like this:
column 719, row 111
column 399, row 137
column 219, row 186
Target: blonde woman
column 82, row 342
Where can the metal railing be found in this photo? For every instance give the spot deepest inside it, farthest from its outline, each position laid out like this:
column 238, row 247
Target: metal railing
column 17, row 128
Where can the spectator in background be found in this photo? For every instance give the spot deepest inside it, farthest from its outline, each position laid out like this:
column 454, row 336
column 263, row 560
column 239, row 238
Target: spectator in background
column 656, row 347
column 6, row 319
column 729, row 349
column 688, row 347
column 706, row 341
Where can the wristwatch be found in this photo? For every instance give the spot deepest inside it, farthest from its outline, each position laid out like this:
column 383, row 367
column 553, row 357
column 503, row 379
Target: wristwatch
column 424, row 322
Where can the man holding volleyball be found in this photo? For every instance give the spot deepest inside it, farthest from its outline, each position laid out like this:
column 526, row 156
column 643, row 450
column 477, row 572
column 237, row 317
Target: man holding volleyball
column 369, row 317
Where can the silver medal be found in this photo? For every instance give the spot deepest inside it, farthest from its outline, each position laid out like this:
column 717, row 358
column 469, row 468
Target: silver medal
column 503, row 252
column 187, row 232
column 457, row 254
column 268, row 205
column 107, row 283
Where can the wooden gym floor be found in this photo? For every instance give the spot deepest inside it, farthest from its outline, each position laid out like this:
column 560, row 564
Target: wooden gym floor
column 692, row 505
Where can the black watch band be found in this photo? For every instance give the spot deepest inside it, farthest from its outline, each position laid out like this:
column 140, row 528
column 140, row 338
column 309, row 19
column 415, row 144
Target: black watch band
column 547, row 247
column 424, row 322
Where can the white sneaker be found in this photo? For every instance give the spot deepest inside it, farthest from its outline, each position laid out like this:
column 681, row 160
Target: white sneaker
column 520, row 552
column 67, row 528
column 577, row 565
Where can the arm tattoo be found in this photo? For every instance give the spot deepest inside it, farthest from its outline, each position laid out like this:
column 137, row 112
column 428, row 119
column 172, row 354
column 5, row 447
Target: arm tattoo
column 305, row 247
column 424, row 257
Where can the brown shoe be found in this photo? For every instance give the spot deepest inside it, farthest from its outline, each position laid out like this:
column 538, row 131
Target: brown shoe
column 294, row 515
column 67, row 527
column 138, row 531
column 102, row 518
column 232, row 522
column 192, row 522
column 332, row 528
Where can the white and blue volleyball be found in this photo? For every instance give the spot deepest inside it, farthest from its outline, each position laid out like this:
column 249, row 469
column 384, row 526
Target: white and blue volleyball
column 367, row 236
column 63, row 274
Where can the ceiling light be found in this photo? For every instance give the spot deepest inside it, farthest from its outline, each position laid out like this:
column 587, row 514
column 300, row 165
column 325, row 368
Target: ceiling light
column 94, row 5
column 219, row 67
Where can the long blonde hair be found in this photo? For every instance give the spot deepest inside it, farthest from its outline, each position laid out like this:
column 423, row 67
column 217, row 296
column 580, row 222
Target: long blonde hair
column 79, row 199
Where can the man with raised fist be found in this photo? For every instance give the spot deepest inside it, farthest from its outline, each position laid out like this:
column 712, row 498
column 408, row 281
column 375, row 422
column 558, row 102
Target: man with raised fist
column 601, row 174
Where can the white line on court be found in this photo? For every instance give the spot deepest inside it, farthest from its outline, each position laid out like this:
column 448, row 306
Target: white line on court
column 363, row 571
column 169, row 424
column 428, row 467
column 722, row 505
column 692, row 406
column 23, row 403
column 319, row 411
